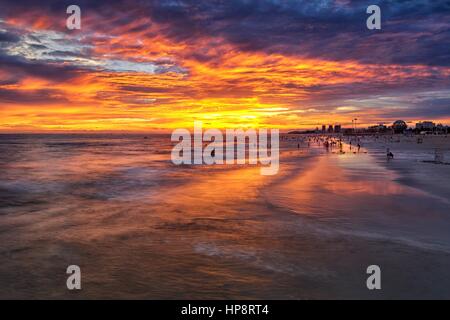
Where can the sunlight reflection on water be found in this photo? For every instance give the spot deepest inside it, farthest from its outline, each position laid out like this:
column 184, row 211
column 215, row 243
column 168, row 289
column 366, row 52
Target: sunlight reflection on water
column 141, row 227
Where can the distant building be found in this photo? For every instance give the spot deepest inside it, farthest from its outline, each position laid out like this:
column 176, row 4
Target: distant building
column 425, row 126
column 399, row 126
column 347, row 131
column 337, row 128
column 324, row 128
column 441, row 129
column 380, row 128
column 330, row 129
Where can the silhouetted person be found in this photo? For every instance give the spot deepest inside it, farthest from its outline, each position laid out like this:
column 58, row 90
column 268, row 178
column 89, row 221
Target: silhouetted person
column 389, row 154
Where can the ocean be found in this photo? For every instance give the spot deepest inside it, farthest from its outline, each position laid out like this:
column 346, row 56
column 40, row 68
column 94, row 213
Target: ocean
column 141, row 227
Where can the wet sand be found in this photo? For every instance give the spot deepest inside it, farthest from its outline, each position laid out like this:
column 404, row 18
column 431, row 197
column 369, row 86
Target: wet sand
column 414, row 161
column 140, row 227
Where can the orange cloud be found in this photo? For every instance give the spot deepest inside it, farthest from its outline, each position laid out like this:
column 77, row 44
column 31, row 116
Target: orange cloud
column 222, row 86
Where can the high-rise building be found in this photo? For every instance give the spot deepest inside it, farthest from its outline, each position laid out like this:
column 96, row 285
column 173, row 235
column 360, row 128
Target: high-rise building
column 337, row 128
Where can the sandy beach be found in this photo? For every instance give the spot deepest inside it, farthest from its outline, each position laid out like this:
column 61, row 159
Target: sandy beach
column 414, row 157
column 140, row 227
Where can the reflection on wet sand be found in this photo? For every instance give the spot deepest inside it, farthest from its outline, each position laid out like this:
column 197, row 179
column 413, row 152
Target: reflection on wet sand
column 140, row 227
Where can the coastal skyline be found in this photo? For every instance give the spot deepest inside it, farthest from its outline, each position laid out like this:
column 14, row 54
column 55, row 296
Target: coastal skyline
column 160, row 65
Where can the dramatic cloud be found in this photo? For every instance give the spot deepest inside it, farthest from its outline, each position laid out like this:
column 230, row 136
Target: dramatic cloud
column 141, row 65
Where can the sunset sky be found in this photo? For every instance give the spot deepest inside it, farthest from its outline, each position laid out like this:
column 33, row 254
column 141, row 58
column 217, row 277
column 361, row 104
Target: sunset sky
column 156, row 65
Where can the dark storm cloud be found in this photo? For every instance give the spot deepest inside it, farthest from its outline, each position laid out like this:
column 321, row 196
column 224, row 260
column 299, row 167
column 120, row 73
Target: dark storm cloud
column 413, row 32
column 52, row 72
column 429, row 109
column 8, row 37
column 43, row 96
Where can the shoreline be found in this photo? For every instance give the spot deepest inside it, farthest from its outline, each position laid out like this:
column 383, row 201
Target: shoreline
column 414, row 163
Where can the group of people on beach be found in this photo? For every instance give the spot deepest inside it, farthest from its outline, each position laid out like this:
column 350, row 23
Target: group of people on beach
column 332, row 142
column 329, row 142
